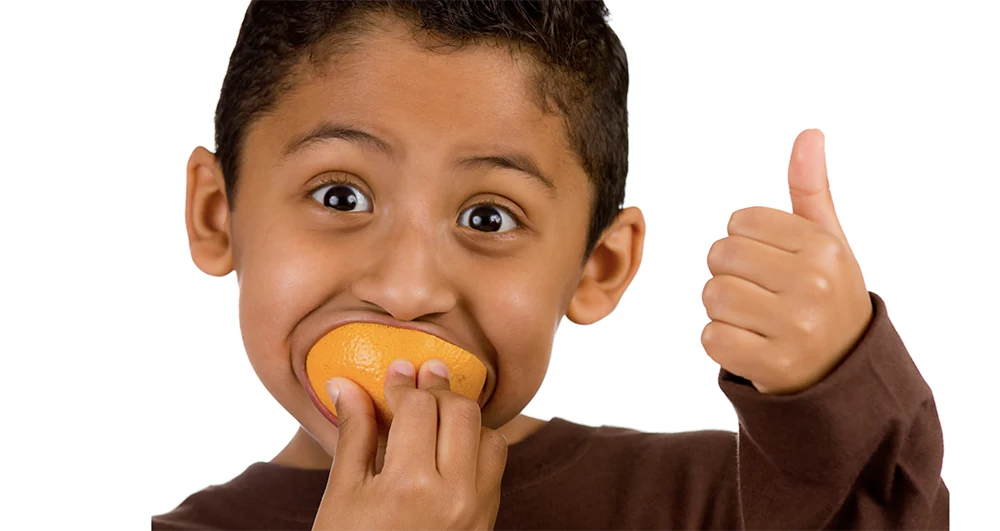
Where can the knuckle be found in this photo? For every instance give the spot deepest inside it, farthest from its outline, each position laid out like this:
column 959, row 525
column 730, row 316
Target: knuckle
column 350, row 423
column 466, row 411
column 345, row 423
column 736, row 220
column 714, row 294
column 419, row 399
column 422, row 399
column 828, row 248
column 832, row 246
column 413, row 485
column 714, row 342
column 818, row 283
column 783, row 363
column 807, row 321
column 462, row 507
column 740, row 217
column 708, row 292
column 718, row 254
column 494, row 443
column 708, row 336
column 744, row 219
column 711, row 340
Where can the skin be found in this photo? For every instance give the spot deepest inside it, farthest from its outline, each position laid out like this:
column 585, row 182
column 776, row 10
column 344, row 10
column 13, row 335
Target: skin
column 786, row 298
column 301, row 265
column 787, row 301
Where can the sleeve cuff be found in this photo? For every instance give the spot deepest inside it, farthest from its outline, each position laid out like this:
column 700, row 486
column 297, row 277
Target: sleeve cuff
column 841, row 418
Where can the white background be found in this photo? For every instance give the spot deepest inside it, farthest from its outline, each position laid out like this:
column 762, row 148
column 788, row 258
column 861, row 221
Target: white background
column 125, row 386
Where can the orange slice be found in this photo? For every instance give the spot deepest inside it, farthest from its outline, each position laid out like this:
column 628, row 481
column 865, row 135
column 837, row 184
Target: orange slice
column 362, row 353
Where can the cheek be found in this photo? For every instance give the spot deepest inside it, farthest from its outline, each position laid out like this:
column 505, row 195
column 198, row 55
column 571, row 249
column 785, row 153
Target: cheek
column 519, row 316
column 282, row 278
column 521, row 308
column 285, row 271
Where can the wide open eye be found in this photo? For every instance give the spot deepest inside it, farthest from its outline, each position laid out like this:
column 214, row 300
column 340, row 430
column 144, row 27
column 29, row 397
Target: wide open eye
column 343, row 197
column 488, row 218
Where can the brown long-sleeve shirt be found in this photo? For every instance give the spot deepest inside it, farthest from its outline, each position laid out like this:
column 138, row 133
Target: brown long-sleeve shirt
column 862, row 449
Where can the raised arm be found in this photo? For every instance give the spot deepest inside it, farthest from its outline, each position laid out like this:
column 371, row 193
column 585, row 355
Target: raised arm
column 837, row 427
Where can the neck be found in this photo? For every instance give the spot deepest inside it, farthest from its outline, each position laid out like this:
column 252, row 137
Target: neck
column 302, row 451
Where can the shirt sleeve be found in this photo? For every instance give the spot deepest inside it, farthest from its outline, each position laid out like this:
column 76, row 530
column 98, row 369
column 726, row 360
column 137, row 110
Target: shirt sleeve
column 861, row 449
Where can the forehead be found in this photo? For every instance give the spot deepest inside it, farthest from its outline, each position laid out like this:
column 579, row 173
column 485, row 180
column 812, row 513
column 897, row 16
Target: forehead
column 423, row 102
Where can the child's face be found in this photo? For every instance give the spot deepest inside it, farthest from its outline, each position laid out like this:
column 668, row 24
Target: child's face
column 407, row 248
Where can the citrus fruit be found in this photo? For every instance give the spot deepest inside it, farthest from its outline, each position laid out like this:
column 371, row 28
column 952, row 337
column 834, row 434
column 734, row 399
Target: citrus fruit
column 362, row 352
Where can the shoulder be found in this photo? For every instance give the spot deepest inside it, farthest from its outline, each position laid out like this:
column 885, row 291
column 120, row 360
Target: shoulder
column 201, row 510
column 619, row 478
column 676, row 450
column 626, row 454
column 264, row 496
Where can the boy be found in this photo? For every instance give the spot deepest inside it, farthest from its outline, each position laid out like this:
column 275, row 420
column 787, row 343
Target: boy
column 459, row 168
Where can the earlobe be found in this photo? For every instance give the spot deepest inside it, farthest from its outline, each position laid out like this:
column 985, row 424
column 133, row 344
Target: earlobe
column 207, row 214
column 610, row 268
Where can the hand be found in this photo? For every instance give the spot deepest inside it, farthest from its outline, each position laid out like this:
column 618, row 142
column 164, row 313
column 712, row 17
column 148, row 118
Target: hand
column 442, row 468
column 787, row 300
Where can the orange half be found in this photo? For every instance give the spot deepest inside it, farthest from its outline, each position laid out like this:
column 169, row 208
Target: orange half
column 362, row 352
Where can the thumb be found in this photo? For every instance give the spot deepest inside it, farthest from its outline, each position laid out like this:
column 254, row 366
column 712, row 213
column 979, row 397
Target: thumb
column 354, row 459
column 808, row 183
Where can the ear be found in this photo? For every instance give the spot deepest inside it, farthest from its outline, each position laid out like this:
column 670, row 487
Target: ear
column 207, row 214
column 610, row 268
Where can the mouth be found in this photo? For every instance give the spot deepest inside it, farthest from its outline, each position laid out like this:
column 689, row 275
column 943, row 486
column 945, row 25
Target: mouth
column 301, row 351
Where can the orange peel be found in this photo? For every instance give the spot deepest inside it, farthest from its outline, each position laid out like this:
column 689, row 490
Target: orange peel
column 362, row 353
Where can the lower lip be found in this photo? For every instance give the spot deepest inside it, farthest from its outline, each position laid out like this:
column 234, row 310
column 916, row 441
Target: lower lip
column 319, row 405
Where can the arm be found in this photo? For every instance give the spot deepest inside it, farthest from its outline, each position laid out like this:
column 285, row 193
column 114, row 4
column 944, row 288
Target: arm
column 861, row 449
column 837, row 427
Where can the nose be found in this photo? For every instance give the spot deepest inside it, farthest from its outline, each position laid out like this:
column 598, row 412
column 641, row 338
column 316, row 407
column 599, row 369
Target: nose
column 405, row 277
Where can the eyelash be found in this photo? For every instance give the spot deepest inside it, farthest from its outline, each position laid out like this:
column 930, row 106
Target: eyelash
column 331, row 180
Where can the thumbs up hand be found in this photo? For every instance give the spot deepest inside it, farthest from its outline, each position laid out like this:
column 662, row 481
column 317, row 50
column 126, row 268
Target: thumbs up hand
column 787, row 299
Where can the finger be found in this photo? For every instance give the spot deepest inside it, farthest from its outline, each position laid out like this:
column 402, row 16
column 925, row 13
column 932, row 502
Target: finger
column 412, row 440
column 491, row 461
column 808, row 183
column 354, row 460
column 459, row 421
column 774, row 227
column 399, row 377
column 764, row 265
column 733, row 348
column 740, row 303
column 434, row 375
column 458, row 434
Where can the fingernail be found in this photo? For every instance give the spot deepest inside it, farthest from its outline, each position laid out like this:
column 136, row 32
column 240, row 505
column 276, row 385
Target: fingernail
column 403, row 367
column 439, row 368
column 333, row 389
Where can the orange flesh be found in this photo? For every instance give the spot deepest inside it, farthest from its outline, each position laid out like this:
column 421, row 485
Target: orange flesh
column 362, row 352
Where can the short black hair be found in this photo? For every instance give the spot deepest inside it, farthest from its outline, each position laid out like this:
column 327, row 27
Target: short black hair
column 581, row 63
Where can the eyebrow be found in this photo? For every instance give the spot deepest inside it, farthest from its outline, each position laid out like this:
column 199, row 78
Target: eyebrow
column 520, row 162
column 331, row 131
column 517, row 161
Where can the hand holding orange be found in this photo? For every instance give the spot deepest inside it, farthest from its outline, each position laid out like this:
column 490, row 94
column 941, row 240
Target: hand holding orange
column 787, row 299
column 442, row 468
